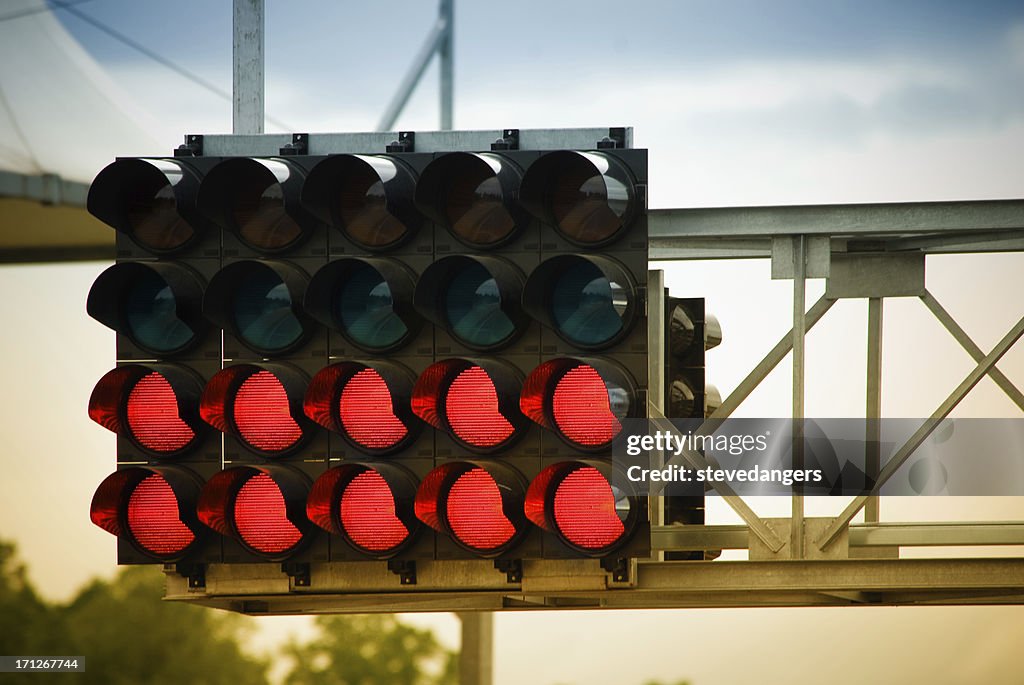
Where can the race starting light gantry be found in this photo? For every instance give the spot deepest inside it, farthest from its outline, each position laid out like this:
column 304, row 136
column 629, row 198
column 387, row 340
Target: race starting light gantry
column 356, row 347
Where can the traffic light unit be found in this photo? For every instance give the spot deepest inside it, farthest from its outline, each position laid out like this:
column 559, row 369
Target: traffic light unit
column 391, row 355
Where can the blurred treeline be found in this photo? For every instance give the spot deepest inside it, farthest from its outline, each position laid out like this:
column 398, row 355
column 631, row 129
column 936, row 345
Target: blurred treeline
column 129, row 636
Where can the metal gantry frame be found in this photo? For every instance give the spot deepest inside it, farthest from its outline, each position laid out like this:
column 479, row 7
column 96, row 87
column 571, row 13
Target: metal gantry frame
column 864, row 251
column 870, row 252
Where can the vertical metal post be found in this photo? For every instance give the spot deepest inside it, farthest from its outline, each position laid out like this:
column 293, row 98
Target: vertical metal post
column 656, row 352
column 796, row 539
column 873, row 411
column 445, row 56
column 476, row 658
column 247, row 52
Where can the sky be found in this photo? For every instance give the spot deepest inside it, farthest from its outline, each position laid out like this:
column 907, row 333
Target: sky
column 740, row 103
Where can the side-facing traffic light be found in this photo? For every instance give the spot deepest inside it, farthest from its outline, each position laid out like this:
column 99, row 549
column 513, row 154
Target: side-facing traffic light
column 689, row 333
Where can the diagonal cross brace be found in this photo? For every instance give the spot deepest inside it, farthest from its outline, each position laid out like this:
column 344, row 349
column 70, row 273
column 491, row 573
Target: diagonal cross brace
column 965, row 341
column 922, row 433
column 698, row 461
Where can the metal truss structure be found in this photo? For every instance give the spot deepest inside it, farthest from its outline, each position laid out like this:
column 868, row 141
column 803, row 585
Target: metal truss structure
column 863, row 251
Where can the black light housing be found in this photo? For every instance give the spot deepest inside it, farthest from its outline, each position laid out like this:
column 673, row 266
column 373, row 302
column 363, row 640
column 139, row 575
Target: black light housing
column 260, row 303
column 582, row 399
column 155, row 406
column 257, row 200
column 368, row 402
column 151, row 200
column 590, row 301
column 262, row 507
column 576, row 501
column 588, row 197
column 477, row 299
column 156, row 305
column 369, row 505
column 479, row 504
column 369, row 300
column 475, row 401
column 473, row 195
column 153, row 507
column 366, row 197
column 261, row 405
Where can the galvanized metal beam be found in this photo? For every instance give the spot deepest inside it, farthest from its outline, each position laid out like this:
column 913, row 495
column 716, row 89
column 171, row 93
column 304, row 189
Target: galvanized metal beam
column 873, row 403
column 897, row 218
column 48, row 189
column 920, row 534
column 796, row 529
column 672, row 584
column 269, row 145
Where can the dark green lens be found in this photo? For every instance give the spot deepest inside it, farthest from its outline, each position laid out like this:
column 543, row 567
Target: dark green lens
column 365, row 309
column 151, row 314
column 587, row 307
column 263, row 313
column 472, row 305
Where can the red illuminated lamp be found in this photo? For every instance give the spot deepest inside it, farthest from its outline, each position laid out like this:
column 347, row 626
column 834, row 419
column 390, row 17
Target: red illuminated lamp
column 577, row 502
column 263, row 508
column 152, row 508
column 260, row 404
column 367, row 403
column 583, row 400
column 474, row 401
column 370, row 506
column 479, row 505
column 155, row 406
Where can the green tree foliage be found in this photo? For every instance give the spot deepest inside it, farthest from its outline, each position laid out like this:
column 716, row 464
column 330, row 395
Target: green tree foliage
column 370, row 650
column 27, row 625
column 128, row 635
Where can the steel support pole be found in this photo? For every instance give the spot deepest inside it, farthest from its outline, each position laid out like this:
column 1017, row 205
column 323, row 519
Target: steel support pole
column 656, row 381
column 447, row 63
column 922, row 433
column 476, row 658
column 796, row 532
column 873, row 410
column 435, row 42
column 247, row 53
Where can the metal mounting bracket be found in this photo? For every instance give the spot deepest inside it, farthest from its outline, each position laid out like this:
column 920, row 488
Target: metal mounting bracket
column 192, row 147
column 298, row 146
column 298, row 571
column 405, row 570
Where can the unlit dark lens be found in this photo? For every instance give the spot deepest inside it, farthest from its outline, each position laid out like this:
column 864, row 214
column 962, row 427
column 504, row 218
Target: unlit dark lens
column 154, row 220
column 263, row 313
column 365, row 307
column 362, row 208
column 474, row 208
column 587, row 307
column 151, row 315
column 473, row 308
column 262, row 220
